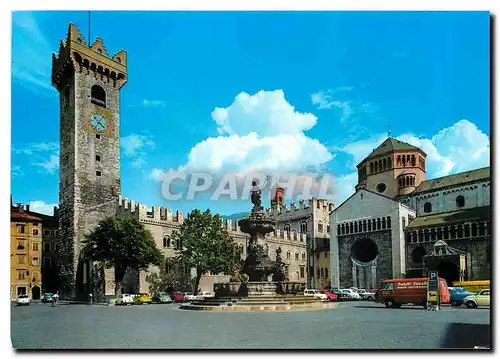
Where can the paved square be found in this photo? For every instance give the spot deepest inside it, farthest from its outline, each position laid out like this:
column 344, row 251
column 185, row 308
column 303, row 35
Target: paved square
column 359, row 325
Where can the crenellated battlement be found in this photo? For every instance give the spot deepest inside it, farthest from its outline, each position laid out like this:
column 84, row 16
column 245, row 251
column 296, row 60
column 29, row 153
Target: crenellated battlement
column 75, row 55
column 164, row 216
column 140, row 211
column 302, row 209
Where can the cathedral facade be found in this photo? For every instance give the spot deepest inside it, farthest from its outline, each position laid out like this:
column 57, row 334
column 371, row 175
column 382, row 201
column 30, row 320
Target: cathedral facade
column 398, row 224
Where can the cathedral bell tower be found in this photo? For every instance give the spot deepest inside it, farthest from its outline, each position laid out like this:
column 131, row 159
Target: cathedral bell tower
column 89, row 83
column 395, row 168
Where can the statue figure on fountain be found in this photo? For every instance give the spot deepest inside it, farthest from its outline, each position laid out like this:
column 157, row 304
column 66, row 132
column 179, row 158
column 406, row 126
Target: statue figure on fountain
column 255, row 195
column 279, row 274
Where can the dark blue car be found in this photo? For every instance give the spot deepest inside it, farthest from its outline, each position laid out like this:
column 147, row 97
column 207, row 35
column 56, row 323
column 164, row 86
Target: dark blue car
column 457, row 295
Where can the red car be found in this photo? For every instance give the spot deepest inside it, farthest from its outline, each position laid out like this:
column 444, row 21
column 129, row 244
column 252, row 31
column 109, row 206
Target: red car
column 331, row 296
column 177, row 297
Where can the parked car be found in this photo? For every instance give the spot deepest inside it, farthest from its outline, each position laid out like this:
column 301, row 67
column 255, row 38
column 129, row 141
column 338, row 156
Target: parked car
column 47, row 297
column 473, row 286
column 396, row 292
column 142, row 298
column 203, row 295
column 161, row 298
column 178, row 297
column 23, row 300
column 476, row 300
column 351, row 295
column 330, row 296
column 457, row 295
column 315, row 293
column 341, row 296
column 125, row 299
column 366, row 295
column 188, row 296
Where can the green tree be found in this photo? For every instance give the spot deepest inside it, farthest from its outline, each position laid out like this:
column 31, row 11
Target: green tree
column 170, row 275
column 122, row 243
column 206, row 246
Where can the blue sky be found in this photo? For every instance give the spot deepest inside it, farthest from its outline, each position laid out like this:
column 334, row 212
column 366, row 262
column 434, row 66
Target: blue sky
column 294, row 90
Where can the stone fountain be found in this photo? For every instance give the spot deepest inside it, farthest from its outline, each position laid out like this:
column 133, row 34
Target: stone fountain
column 259, row 268
column 262, row 291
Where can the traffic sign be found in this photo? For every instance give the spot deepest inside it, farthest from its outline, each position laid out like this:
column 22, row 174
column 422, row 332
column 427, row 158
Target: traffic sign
column 433, row 275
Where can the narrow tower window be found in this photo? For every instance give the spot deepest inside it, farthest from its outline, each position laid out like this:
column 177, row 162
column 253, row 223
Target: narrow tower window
column 427, row 207
column 460, row 201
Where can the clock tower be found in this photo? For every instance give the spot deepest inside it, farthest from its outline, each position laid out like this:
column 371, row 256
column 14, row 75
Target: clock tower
column 89, row 81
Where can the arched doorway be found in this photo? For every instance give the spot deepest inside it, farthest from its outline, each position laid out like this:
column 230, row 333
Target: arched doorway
column 448, row 271
column 417, row 255
column 364, row 254
column 35, row 293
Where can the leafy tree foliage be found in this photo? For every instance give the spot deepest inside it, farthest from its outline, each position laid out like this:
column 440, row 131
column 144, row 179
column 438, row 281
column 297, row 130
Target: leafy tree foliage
column 122, row 243
column 206, row 246
column 171, row 275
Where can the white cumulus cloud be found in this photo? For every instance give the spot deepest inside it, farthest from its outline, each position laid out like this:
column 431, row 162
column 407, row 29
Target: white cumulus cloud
column 42, row 207
column 251, row 152
column 260, row 132
column 156, row 174
column 266, row 113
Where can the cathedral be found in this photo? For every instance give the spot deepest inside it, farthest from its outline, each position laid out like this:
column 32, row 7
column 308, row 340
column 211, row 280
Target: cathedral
column 398, row 224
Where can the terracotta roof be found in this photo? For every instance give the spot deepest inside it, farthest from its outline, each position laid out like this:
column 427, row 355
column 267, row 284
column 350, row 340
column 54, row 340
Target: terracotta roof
column 22, row 216
column 391, row 145
column 453, row 180
column 48, row 220
column 430, row 220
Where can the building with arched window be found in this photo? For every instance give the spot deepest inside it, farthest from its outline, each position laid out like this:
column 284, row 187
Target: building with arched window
column 408, row 215
column 311, row 218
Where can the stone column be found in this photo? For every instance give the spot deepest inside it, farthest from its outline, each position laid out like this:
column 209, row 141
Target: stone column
column 480, row 199
column 374, row 275
column 362, row 276
column 354, row 279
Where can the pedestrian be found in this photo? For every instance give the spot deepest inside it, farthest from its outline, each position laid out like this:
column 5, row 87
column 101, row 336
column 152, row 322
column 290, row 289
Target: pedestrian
column 55, row 297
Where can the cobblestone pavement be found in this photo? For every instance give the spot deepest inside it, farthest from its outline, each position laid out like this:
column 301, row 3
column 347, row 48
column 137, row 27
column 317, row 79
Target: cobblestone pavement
column 354, row 325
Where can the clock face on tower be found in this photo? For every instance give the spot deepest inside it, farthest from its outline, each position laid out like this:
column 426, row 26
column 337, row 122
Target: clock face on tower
column 98, row 122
